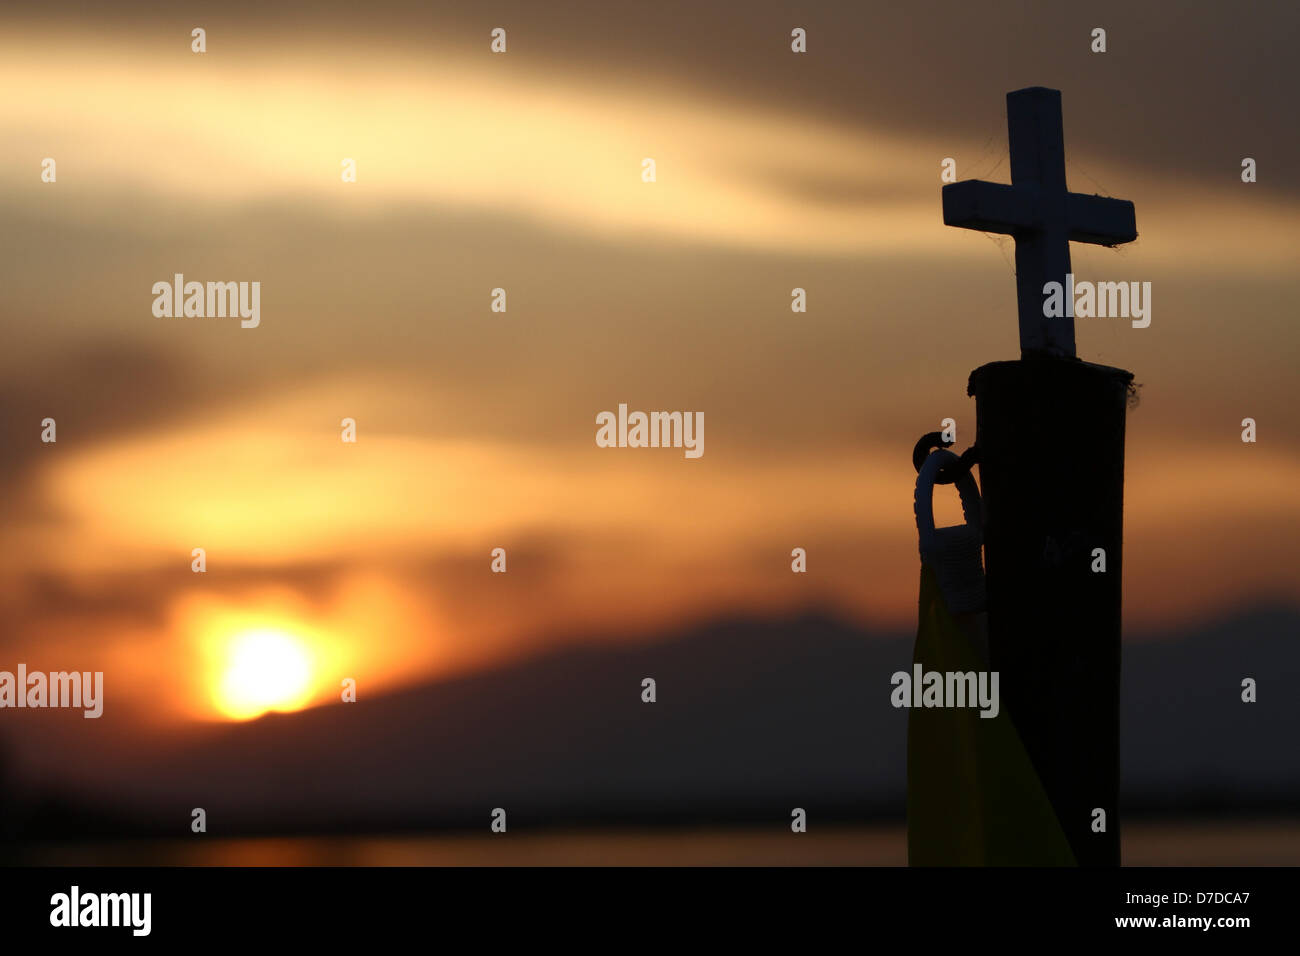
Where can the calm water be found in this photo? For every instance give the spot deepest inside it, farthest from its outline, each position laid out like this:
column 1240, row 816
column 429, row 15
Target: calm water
column 1145, row 844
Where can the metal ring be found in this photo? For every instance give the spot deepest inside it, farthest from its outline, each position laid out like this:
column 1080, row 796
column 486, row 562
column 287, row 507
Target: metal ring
column 950, row 471
column 921, row 451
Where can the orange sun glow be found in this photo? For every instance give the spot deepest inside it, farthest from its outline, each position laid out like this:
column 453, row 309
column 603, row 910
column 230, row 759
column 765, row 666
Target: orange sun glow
column 265, row 669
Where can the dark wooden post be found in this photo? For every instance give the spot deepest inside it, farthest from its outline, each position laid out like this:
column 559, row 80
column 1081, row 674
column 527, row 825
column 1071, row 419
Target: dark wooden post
column 1051, row 440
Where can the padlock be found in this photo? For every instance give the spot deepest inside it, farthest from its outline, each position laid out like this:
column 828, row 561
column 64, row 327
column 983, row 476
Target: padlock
column 954, row 553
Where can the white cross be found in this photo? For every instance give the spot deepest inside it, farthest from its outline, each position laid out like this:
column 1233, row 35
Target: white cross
column 1040, row 213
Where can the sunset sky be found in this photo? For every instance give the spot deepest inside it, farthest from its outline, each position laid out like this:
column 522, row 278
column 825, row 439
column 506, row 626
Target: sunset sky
column 476, row 429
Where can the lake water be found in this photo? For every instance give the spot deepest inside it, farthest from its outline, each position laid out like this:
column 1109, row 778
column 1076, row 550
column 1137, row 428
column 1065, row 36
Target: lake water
column 1271, row 843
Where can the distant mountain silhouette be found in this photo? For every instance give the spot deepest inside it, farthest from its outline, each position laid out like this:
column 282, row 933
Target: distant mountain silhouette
column 1187, row 738
column 753, row 718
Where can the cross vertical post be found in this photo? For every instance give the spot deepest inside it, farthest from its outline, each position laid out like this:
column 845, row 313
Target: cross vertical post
column 1036, row 137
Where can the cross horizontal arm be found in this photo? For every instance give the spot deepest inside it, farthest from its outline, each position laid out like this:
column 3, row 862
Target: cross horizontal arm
column 997, row 207
column 1100, row 221
column 988, row 207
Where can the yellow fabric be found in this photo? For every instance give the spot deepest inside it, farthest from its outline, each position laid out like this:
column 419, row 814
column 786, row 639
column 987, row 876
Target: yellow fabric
column 973, row 796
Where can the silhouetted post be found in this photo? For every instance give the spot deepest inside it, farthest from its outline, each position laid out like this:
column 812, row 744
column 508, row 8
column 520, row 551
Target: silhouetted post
column 1050, row 434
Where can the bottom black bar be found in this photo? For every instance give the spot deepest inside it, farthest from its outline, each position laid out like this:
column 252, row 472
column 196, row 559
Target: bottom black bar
column 668, row 905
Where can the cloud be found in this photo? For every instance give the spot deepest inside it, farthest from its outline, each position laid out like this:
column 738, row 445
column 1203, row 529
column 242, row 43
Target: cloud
column 1147, row 103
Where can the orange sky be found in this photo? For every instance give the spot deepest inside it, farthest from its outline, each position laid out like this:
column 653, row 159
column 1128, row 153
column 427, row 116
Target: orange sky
column 476, row 429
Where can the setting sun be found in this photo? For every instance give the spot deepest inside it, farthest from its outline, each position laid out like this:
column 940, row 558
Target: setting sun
column 264, row 670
